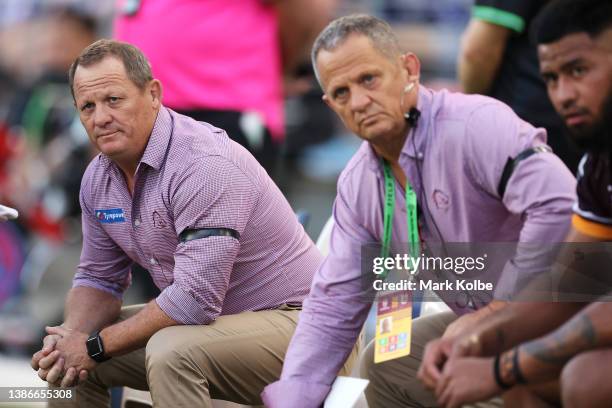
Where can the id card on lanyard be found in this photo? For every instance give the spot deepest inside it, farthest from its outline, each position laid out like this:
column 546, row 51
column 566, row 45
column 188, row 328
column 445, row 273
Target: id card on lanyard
column 394, row 310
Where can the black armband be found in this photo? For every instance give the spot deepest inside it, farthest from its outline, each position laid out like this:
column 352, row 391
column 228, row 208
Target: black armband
column 513, row 162
column 192, row 234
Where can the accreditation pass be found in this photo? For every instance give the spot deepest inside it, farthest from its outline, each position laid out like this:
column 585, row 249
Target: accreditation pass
column 393, row 326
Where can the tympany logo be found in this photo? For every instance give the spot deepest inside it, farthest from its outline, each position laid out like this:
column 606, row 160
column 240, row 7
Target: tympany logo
column 110, row 216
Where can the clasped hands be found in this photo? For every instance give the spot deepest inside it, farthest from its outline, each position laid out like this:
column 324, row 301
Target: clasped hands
column 63, row 360
column 452, row 367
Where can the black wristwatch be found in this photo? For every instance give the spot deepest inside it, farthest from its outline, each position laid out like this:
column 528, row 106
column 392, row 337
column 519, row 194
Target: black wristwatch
column 95, row 348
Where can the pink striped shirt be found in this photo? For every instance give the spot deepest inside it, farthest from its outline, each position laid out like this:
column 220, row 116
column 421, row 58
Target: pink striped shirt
column 193, row 176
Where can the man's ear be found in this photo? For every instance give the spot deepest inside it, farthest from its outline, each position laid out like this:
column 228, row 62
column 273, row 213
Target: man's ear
column 326, row 100
column 412, row 66
column 155, row 90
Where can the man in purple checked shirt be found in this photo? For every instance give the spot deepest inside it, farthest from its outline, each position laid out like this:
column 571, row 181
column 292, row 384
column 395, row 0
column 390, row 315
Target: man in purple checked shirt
column 452, row 149
column 219, row 239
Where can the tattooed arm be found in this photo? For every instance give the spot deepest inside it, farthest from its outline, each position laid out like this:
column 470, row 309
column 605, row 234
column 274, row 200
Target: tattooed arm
column 526, row 320
column 467, row 380
column 516, row 323
column 470, row 379
column 543, row 359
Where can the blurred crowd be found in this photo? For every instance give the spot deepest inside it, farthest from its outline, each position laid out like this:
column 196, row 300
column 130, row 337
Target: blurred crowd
column 43, row 152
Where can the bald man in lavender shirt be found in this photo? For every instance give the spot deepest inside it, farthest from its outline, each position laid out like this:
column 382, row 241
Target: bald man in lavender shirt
column 217, row 236
column 452, row 149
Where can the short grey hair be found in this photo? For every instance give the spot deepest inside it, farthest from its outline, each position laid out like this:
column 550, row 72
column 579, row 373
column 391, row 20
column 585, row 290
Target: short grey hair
column 136, row 65
column 376, row 30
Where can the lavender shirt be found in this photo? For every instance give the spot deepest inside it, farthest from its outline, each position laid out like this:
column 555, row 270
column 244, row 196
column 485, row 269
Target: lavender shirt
column 193, row 176
column 461, row 145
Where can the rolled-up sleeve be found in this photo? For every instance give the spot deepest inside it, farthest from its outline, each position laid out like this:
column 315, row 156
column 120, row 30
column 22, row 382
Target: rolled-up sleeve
column 103, row 264
column 541, row 188
column 332, row 316
column 201, row 199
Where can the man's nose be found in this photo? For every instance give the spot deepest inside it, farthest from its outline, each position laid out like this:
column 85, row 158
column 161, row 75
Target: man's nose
column 102, row 116
column 566, row 92
column 359, row 100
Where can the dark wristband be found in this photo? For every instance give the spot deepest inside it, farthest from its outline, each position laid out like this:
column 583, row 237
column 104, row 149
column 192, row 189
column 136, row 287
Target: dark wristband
column 496, row 373
column 516, row 368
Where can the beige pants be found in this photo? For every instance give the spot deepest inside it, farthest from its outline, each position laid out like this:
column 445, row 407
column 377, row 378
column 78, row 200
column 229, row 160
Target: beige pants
column 232, row 359
column 394, row 383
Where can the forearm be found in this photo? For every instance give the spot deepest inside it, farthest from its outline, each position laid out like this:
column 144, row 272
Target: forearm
column 474, row 76
column 133, row 333
column 543, row 359
column 509, row 326
column 88, row 309
column 482, row 49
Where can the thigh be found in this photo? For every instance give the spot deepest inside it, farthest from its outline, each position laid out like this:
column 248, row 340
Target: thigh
column 238, row 355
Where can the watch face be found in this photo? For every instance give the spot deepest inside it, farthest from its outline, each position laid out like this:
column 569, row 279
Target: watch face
column 94, row 348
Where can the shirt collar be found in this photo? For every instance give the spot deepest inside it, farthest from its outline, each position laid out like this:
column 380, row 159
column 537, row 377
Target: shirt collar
column 415, row 143
column 413, row 148
column 155, row 152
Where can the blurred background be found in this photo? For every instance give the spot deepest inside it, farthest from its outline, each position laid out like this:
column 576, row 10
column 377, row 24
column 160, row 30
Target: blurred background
column 44, row 149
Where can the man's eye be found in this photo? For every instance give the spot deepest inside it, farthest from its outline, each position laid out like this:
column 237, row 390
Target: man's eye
column 87, row 106
column 340, row 93
column 578, row 71
column 113, row 99
column 367, row 79
column 549, row 79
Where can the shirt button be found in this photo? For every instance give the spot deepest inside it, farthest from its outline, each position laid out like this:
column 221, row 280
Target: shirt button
column 137, row 222
column 420, row 155
column 153, row 261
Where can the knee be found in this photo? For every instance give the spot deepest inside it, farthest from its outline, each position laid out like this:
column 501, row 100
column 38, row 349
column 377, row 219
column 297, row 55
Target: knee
column 576, row 387
column 173, row 350
column 165, row 350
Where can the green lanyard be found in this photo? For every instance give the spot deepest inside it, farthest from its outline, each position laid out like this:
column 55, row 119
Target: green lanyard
column 411, row 211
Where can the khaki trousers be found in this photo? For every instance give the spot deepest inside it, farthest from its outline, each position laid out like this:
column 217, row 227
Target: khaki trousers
column 231, row 359
column 394, row 383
